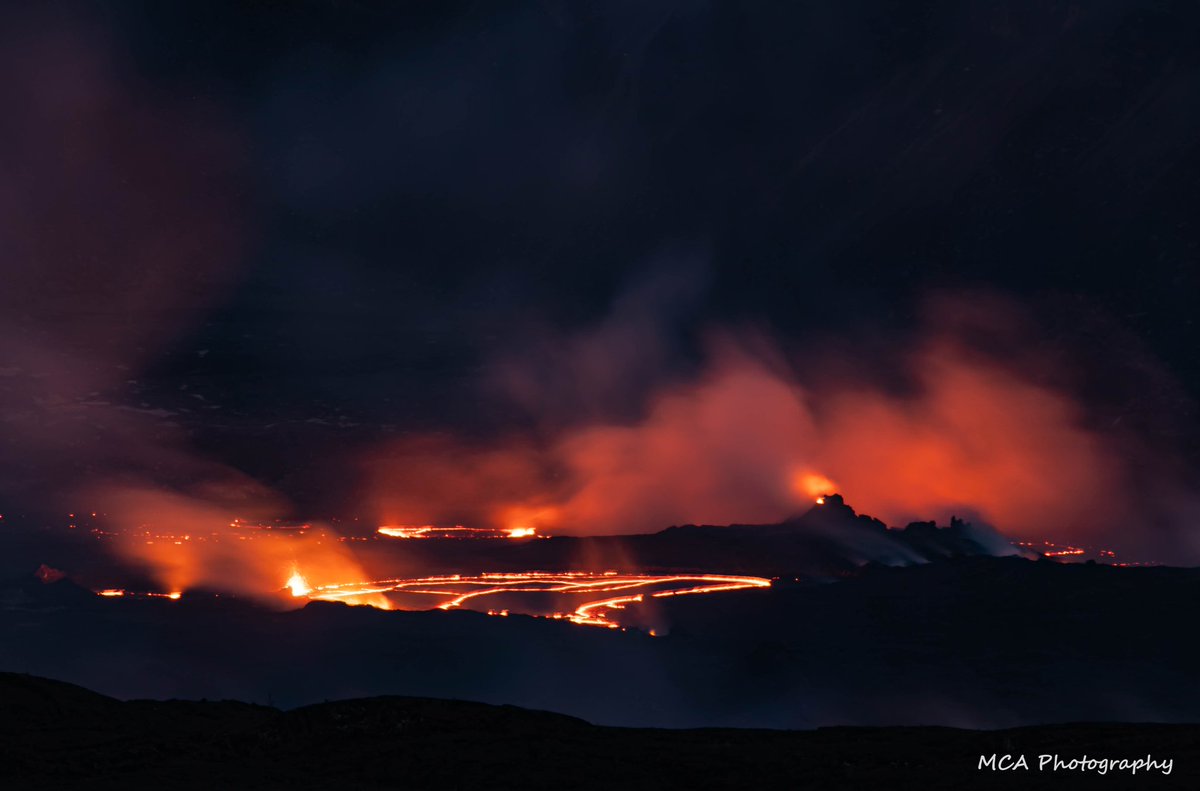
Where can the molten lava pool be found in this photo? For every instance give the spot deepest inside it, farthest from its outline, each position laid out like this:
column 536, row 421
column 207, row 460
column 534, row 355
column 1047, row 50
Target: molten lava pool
column 589, row 598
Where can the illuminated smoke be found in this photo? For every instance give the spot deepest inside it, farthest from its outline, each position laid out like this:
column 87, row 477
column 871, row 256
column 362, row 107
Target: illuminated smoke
column 814, row 485
column 122, row 222
column 188, row 542
column 982, row 434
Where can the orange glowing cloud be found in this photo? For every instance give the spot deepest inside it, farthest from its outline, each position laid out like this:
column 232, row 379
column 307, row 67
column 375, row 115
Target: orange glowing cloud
column 718, row 451
column 975, row 438
column 187, row 542
column 748, row 441
column 813, row 485
column 429, row 480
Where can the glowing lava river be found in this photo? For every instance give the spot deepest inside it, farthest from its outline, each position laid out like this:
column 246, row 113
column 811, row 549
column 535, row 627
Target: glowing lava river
column 588, row 598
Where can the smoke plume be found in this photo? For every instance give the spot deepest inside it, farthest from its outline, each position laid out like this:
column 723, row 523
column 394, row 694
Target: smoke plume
column 966, row 418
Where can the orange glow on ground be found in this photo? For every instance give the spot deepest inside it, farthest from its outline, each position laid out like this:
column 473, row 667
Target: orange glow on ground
column 118, row 592
column 405, row 531
column 523, row 521
column 455, row 531
column 189, row 543
column 457, row 591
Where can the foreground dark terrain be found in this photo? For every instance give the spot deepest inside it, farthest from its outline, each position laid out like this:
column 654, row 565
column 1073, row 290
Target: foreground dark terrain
column 55, row 735
column 974, row 642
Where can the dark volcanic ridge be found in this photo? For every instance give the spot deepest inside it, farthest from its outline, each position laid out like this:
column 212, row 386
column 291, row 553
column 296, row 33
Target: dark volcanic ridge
column 829, row 540
column 54, row 734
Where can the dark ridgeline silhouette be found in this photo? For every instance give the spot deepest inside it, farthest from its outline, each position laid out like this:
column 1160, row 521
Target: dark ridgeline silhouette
column 56, row 735
column 828, row 540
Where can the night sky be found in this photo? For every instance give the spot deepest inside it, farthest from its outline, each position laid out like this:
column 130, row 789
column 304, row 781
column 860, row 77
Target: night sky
column 270, row 236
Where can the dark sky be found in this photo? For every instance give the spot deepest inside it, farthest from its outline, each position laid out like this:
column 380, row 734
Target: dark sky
column 426, row 184
column 417, row 191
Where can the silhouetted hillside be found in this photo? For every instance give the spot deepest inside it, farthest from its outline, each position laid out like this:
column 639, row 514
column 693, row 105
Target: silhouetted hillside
column 55, row 735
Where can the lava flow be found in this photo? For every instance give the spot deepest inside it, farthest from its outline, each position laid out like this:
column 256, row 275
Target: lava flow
column 521, row 591
column 454, row 532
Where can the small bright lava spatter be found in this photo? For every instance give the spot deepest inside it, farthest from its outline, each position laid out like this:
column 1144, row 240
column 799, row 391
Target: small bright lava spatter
column 457, row 589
